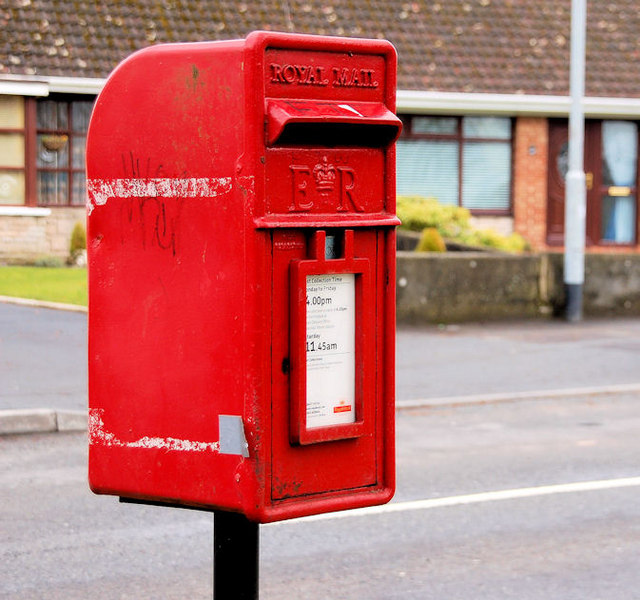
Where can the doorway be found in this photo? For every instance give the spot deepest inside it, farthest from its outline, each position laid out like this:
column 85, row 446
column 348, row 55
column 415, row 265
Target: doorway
column 610, row 164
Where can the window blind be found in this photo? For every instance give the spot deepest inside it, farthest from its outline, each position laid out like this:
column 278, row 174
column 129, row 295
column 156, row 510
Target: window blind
column 428, row 168
column 486, row 175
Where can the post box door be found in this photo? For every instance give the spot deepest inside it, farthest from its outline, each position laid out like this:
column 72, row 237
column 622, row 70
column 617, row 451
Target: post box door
column 331, row 458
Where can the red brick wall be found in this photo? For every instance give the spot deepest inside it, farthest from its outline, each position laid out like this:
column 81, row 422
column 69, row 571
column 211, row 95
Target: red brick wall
column 530, row 180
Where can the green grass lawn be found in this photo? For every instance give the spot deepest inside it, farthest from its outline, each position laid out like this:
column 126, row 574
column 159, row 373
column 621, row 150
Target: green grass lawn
column 54, row 284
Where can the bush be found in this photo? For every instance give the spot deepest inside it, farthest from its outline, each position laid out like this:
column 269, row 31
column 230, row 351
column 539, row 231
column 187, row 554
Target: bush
column 431, row 241
column 78, row 246
column 417, row 213
column 78, row 239
column 490, row 239
column 453, row 223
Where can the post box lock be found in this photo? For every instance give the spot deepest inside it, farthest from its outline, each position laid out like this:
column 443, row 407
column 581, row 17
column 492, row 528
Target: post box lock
column 241, row 269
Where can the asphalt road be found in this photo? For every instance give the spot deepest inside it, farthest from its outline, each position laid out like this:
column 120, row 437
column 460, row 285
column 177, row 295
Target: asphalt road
column 43, row 358
column 528, row 499
column 437, row 539
column 490, row 358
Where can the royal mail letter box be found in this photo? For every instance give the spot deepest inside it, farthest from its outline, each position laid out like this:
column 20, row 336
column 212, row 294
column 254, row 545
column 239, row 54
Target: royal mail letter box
column 241, row 220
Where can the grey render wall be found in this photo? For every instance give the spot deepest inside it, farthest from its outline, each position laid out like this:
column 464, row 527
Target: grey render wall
column 462, row 286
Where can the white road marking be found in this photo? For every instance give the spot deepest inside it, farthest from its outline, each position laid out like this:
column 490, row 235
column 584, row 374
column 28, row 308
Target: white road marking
column 530, row 492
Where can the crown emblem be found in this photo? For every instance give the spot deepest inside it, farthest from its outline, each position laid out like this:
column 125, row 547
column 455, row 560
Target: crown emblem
column 324, row 175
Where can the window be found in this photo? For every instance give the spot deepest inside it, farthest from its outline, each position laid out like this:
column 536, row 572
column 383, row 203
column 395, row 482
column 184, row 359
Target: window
column 61, row 128
column 619, row 175
column 12, row 150
column 42, row 150
column 463, row 161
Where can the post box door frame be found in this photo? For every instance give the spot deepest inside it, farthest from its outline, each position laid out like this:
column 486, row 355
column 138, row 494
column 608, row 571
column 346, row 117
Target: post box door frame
column 364, row 339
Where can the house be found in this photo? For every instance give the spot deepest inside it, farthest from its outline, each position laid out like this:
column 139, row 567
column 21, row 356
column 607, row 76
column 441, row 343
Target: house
column 482, row 91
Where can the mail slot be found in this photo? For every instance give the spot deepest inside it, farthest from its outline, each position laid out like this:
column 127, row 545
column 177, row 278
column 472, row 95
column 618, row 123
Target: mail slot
column 241, row 225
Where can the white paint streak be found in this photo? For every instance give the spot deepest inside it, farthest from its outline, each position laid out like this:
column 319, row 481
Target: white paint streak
column 99, row 436
column 99, row 191
column 531, row 492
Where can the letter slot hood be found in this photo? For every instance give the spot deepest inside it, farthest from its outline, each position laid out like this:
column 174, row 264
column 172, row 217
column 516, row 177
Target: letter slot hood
column 330, row 123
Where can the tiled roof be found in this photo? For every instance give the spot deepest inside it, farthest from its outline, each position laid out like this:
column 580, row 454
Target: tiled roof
column 493, row 46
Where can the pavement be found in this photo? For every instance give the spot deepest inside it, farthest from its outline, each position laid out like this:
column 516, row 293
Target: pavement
column 44, row 374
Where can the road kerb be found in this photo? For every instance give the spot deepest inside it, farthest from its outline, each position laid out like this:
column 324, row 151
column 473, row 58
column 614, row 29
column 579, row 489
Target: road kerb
column 27, row 421
column 41, row 420
column 475, row 399
column 72, row 420
column 43, row 304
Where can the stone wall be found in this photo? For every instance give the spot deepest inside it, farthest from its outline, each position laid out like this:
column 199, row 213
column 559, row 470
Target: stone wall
column 461, row 286
column 31, row 234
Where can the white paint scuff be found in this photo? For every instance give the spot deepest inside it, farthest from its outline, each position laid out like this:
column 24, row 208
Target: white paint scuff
column 99, row 191
column 350, row 109
column 99, row 436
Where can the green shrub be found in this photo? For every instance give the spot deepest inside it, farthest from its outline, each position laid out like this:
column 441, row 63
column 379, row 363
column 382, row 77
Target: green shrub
column 431, row 241
column 416, row 213
column 453, row 223
column 78, row 239
column 490, row 239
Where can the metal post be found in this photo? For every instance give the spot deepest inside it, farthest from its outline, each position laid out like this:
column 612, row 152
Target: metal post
column 576, row 192
column 235, row 557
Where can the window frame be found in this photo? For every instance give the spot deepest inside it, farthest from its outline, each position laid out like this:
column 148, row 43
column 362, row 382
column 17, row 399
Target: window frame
column 409, row 134
column 31, row 132
column 27, row 141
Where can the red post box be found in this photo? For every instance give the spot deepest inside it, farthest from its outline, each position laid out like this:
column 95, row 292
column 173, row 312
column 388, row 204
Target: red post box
column 241, row 221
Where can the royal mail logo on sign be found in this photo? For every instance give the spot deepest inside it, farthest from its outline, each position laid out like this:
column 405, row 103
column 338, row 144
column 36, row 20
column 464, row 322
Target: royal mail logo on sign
column 298, row 74
column 343, row 407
